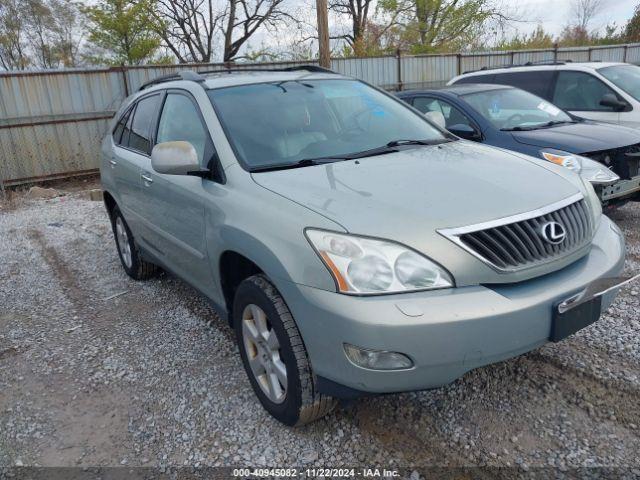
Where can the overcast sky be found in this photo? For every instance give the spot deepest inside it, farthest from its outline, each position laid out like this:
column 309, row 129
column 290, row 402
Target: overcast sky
column 553, row 14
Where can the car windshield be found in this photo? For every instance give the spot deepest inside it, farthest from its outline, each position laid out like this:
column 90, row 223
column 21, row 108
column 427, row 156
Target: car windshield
column 293, row 122
column 625, row 77
column 515, row 109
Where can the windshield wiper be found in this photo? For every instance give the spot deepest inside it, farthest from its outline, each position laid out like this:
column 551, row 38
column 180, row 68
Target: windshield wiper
column 557, row 122
column 307, row 162
column 400, row 143
column 391, row 147
column 552, row 123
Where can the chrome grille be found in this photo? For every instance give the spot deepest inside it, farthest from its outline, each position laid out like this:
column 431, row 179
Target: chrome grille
column 518, row 242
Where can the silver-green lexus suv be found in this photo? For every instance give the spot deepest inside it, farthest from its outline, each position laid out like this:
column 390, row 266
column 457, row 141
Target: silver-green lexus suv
column 353, row 246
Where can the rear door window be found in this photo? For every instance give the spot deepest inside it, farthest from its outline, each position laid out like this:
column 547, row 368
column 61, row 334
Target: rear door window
column 537, row 82
column 126, row 131
column 141, row 126
column 580, row 91
column 119, row 128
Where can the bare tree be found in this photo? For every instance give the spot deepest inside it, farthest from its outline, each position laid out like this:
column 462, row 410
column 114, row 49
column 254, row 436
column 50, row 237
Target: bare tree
column 358, row 13
column 245, row 17
column 370, row 21
column 583, row 12
column 40, row 24
column 188, row 27
column 68, row 33
column 13, row 37
column 192, row 29
column 39, row 33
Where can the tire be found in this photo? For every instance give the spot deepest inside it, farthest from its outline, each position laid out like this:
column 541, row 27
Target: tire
column 300, row 402
column 128, row 250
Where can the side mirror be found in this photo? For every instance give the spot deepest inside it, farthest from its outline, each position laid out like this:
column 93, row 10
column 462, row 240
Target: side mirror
column 464, row 131
column 175, row 158
column 610, row 100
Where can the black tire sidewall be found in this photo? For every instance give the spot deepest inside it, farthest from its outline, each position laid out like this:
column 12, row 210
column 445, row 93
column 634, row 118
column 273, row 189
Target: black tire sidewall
column 288, row 411
column 134, row 251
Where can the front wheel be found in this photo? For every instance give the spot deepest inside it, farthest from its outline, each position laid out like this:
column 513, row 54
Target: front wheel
column 274, row 355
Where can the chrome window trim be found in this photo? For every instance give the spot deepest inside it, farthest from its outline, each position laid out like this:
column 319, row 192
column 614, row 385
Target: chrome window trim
column 454, row 234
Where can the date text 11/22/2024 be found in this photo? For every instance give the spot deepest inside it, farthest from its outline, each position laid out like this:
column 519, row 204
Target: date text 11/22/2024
column 316, row 472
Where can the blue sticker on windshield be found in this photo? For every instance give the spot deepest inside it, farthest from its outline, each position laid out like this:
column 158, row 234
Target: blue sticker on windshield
column 495, row 106
column 374, row 106
column 353, row 92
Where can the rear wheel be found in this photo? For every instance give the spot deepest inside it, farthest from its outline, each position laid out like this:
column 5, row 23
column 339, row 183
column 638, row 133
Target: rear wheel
column 128, row 251
column 274, row 355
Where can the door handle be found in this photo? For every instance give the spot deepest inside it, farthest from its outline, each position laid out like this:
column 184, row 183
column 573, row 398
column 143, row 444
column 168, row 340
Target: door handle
column 146, row 178
column 113, row 163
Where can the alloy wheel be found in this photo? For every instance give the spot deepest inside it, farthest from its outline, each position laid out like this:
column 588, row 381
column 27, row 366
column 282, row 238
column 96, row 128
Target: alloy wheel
column 262, row 348
column 123, row 242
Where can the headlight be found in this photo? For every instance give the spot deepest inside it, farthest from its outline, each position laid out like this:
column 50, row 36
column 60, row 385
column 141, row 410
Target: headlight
column 588, row 169
column 361, row 265
column 593, row 200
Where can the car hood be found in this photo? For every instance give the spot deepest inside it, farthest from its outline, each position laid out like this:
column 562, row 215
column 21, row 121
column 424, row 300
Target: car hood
column 406, row 196
column 580, row 137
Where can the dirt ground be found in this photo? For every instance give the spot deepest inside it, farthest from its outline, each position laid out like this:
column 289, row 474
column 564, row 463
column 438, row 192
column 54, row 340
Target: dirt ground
column 96, row 369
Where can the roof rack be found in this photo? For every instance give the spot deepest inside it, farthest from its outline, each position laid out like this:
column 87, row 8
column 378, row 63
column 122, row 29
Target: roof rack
column 197, row 76
column 183, row 75
column 516, row 65
column 308, row 68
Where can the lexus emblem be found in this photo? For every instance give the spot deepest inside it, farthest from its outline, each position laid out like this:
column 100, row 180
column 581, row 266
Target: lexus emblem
column 553, row 232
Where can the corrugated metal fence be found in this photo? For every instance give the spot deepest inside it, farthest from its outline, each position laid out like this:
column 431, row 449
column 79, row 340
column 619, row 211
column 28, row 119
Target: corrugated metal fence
column 52, row 122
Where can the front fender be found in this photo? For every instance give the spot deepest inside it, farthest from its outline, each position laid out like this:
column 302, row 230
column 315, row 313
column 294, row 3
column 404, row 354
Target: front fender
column 283, row 253
column 291, row 260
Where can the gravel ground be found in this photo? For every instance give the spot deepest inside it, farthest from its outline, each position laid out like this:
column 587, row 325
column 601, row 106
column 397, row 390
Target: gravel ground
column 151, row 377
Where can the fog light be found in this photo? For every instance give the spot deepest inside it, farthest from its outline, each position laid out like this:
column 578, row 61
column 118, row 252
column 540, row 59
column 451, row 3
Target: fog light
column 377, row 359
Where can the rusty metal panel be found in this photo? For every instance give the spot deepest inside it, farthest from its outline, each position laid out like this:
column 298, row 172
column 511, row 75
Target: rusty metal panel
column 478, row 61
column 428, row 71
column 379, row 71
column 77, row 92
column 267, row 65
column 575, row 54
column 607, row 54
column 532, row 56
column 633, row 54
column 34, row 151
column 53, row 121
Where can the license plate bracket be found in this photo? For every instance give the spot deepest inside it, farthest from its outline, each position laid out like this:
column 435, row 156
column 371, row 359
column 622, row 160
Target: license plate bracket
column 577, row 318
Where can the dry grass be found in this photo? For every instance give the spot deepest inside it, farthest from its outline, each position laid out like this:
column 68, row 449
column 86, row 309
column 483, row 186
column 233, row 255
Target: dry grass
column 11, row 199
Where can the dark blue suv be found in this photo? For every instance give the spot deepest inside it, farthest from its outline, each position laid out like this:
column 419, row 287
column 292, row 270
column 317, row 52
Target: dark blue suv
column 507, row 117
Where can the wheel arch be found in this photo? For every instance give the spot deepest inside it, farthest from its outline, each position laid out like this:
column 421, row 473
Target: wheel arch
column 233, row 268
column 109, row 202
column 241, row 254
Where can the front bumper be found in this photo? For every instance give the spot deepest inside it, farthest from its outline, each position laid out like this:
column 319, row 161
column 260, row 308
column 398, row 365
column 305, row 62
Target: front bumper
column 620, row 190
column 445, row 332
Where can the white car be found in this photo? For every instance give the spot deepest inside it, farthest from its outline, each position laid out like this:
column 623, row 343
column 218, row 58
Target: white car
column 607, row 92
